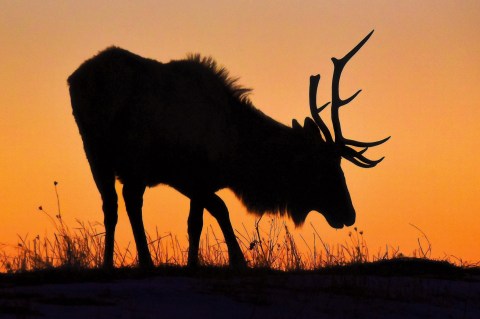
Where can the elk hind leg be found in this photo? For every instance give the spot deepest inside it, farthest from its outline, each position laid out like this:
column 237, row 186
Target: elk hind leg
column 133, row 196
column 105, row 181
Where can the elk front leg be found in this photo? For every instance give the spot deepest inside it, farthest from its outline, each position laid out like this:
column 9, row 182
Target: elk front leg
column 133, row 196
column 195, row 225
column 218, row 209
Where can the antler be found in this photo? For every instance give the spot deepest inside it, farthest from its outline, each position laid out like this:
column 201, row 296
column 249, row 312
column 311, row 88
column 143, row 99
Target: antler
column 314, row 79
column 347, row 152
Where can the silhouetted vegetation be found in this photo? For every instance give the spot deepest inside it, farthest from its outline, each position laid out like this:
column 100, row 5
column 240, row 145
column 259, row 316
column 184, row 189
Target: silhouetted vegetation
column 76, row 252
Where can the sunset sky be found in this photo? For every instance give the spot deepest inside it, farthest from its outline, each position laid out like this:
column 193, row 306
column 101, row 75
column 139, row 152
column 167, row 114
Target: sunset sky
column 420, row 76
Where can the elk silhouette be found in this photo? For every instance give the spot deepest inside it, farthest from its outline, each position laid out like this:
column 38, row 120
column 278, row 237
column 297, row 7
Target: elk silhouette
column 187, row 124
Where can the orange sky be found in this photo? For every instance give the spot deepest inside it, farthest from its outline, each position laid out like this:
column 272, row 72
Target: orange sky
column 419, row 73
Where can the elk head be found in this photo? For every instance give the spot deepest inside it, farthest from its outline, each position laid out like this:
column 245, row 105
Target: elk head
column 334, row 201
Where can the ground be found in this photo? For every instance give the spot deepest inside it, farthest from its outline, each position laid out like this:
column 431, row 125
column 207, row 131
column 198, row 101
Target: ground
column 352, row 292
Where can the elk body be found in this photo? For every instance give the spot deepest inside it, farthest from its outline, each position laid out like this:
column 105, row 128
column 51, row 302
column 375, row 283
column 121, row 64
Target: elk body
column 188, row 125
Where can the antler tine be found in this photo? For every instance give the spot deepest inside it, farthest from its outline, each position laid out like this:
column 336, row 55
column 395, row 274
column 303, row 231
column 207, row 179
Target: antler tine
column 314, row 80
column 365, row 144
column 357, row 158
column 361, row 164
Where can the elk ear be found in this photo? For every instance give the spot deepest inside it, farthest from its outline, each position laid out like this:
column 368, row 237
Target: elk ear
column 310, row 127
column 295, row 125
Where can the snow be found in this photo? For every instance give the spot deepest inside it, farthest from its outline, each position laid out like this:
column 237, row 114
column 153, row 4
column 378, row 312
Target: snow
column 269, row 295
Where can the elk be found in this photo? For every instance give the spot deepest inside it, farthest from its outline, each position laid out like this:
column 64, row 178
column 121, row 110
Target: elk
column 189, row 125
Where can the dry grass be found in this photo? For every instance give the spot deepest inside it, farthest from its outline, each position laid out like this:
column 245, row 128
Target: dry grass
column 269, row 245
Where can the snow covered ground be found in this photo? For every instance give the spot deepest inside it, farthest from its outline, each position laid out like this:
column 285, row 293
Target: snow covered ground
column 269, row 295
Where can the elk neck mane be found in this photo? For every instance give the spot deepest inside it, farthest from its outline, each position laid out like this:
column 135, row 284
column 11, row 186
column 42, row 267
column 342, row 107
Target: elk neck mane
column 231, row 83
column 262, row 174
